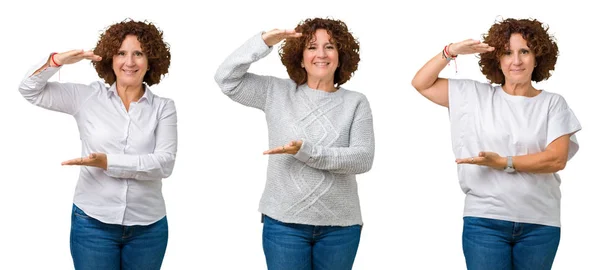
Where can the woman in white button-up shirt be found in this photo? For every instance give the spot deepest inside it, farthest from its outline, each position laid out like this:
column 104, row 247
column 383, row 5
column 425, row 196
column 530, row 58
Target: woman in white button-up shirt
column 129, row 143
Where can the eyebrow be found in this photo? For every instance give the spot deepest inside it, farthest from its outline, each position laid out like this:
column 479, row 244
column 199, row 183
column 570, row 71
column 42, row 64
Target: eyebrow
column 133, row 51
column 315, row 43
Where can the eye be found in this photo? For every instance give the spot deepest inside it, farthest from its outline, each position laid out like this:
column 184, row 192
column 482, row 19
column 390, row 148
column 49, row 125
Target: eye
column 507, row 52
column 330, row 47
column 138, row 53
column 524, row 51
column 311, row 48
column 121, row 53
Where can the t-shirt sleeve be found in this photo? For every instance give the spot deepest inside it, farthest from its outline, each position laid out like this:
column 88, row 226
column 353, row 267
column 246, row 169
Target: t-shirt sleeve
column 562, row 121
column 462, row 94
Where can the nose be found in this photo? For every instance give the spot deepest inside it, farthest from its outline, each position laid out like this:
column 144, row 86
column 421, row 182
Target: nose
column 129, row 60
column 321, row 52
column 517, row 59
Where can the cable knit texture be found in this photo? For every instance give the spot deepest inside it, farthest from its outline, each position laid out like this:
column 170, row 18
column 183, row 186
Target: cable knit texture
column 317, row 186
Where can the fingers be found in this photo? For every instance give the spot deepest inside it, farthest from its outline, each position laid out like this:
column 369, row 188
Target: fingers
column 470, row 46
column 471, row 160
column 482, row 48
column 470, row 42
column 291, row 33
column 277, row 35
column 290, row 148
column 72, row 53
column 276, row 150
column 89, row 55
column 284, row 33
column 76, row 161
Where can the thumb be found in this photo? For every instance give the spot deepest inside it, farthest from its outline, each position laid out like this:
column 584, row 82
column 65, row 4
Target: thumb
column 483, row 154
column 93, row 155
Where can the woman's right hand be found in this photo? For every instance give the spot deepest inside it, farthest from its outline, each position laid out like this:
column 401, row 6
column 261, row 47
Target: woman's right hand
column 276, row 35
column 469, row 46
column 72, row 57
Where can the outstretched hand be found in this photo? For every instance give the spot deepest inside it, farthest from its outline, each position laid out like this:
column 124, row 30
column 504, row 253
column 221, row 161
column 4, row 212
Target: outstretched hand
column 94, row 159
column 291, row 148
column 74, row 56
column 489, row 159
column 469, row 46
column 276, row 35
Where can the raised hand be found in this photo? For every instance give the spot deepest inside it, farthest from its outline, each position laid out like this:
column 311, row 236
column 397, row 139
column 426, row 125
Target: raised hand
column 276, row 35
column 94, row 159
column 73, row 56
column 290, row 148
column 489, row 159
column 469, row 46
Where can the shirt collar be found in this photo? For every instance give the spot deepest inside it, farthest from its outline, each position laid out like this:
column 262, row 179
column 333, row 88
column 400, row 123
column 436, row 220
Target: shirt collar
column 148, row 95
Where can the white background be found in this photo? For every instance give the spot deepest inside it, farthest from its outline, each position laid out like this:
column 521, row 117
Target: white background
column 411, row 200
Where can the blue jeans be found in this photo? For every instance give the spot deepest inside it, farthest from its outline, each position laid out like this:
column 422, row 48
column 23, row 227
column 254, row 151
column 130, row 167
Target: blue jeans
column 97, row 245
column 296, row 246
column 497, row 244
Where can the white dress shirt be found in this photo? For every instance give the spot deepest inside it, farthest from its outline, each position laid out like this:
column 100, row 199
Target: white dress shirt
column 140, row 145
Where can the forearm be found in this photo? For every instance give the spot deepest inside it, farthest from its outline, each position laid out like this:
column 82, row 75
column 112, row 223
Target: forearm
column 542, row 162
column 154, row 166
column 342, row 160
column 235, row 81
column 355, row 159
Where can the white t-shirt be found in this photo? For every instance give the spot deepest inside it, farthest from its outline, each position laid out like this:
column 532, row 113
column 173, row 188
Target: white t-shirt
column 485, row 118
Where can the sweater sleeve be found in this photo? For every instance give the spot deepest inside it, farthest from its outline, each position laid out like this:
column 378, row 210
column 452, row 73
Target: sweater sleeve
column 357, row 158
column 235, row 81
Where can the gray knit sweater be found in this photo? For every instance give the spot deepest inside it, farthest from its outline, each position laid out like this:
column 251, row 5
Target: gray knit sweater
column 317, row 186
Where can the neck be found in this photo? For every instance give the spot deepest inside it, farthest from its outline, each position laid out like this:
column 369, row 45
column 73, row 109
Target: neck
column 520, row 89
column 323, row 85
column 130, row 93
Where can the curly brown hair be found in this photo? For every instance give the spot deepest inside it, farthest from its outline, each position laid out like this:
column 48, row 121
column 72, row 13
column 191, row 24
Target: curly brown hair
column 292, row 49
column 541, row 43
column 151, row 41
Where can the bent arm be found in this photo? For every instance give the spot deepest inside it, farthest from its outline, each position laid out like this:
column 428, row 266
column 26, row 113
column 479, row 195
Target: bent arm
column 428, row 84
column 551, row 160
column 154, row 166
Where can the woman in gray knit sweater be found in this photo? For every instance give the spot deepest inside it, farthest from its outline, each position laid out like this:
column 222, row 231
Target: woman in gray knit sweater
column 320, row 135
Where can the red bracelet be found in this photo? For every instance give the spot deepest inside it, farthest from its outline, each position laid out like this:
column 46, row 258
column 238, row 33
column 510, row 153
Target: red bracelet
column 52, row 59
column 447, row 52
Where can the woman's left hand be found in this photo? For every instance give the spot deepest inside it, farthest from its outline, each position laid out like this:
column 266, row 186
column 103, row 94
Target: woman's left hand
column 489, row 159
column 94, row 159
column 290, row 148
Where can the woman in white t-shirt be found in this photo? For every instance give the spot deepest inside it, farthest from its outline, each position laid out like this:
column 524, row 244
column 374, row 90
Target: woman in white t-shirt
column 510, row 140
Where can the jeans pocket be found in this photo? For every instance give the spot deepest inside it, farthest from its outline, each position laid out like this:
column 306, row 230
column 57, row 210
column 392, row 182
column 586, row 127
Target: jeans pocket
column 79, row 213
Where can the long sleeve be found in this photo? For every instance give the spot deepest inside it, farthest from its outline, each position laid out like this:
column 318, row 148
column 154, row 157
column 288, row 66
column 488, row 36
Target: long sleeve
column 61, row 97
column 156, row 165
column 356, row 158
column 235, row 81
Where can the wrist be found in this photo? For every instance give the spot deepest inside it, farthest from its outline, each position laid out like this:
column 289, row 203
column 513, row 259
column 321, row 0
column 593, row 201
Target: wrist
column 451, row 52
column 509, row 167
column 53, row 62
column 446, row 54
column 503, row 162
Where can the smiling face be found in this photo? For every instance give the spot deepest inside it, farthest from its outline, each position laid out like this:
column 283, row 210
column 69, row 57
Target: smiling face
column 130, row 63
column 320, row 57
column 518, row 61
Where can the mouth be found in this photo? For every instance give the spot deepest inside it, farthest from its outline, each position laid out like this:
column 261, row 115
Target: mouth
column 129, row 72
column 517, row 70
column 321, row 64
